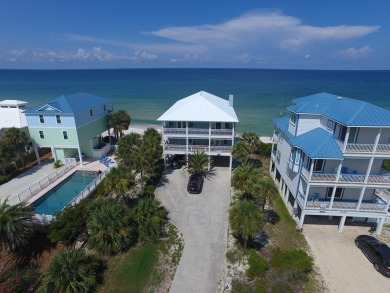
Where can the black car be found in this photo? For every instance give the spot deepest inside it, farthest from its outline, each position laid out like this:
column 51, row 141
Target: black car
column 377, row 252
column 195, row 184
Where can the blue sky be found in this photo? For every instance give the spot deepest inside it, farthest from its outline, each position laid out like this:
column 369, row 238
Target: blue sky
column 301, row 34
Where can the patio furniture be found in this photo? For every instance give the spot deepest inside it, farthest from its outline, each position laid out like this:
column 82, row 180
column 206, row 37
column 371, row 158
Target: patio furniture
column 315, row 197
column 344, row 170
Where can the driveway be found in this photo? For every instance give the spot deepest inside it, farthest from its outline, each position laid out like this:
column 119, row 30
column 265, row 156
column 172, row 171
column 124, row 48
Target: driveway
column 203, row 221
column 344, row 267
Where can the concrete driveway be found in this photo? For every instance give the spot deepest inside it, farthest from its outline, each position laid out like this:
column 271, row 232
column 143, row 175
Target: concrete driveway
column 203, row 221
column 343, row 266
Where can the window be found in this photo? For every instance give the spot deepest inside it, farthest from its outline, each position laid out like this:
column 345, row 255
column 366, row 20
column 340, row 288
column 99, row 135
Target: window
column 319, row 165
column 41, row 135
column 90, row 112
column 227, row 125
column 337, row 195
column 353, row 134
column 330, row 125
column 278, row 156
column 65, row 134
column 281, row 138
column 218, row 125
column 225, row 142
column 190, row 124
column 41, row 119
column 342, row 132
column 293, row 118
column 58, row 118
column 170, row 124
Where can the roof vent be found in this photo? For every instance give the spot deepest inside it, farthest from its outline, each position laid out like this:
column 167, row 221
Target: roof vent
column 231, row 100
column 339, row 98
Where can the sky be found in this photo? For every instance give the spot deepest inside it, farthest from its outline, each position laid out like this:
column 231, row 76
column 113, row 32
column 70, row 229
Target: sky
column 275, row 34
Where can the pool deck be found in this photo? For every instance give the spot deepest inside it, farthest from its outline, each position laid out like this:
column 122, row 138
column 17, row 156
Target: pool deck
column 33, row 175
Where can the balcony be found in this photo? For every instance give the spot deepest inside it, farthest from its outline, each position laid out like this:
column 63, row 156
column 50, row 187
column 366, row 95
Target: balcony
column 364, row 148
column 377, row 205
column 201, row 148
column 346, row 178
column 198, row 131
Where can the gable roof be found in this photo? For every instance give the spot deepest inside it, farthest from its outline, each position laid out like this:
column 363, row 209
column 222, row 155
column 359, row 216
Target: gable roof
column 201, row 106
column 346, row 111
column 69, row 104
column 318, row 143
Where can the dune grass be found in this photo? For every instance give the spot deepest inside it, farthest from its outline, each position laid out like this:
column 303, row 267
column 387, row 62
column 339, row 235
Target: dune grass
column 130, row 272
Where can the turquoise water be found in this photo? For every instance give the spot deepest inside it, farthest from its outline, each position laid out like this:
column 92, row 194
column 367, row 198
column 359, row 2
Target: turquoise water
column 61, row 195
column 259, row 94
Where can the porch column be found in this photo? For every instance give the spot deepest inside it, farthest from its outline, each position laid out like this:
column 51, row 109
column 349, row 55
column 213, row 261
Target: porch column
column 270, row 161
column 342, row 222
column 230, row 162
column 81, row 157
column 53, row 151
column 301, row 220
column 37, row 154
column 368, row 170
column 339, row 171
column 307, row 195
column 377, row 138
column 332, row 198
column 281, row 185
column 361, row 198
column 187, row 142
column 346, row 139
column 311, row 169
column 380, row 225
column 209, row 139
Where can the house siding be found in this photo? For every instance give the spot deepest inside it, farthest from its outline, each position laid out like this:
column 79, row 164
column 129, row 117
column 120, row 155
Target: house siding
column 53, row 137
column 50, row 121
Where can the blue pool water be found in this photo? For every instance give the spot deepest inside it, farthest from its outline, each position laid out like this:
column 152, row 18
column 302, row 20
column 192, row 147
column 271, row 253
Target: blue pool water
column 61, row 195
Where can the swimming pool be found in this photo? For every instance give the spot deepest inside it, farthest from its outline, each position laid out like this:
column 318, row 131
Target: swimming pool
column 60, row 196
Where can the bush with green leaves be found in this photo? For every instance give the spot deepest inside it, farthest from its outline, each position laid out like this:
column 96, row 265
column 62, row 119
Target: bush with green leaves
column 294, row 264
column 257, row 265
column 386, row 164
column 69, row 222
column 19, row 279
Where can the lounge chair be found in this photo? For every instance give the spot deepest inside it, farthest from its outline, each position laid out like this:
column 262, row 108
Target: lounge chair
column 315, row 197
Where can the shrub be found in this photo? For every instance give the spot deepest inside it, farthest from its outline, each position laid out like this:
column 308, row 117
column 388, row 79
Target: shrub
column 4, row 179
column 69, row 222
column 386, row 164
column 295, row 264
column 257, row 265
column 19, row 279
column 57, row 164
column 233, row 256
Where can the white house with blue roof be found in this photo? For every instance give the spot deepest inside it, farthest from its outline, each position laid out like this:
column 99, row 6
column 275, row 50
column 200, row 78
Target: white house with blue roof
column 70, row 125
column 328, row 159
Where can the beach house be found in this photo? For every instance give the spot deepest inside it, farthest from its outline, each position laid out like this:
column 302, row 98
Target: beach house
column 200, row 122
column 11, row 115
column 70, row 125
column 329, row 159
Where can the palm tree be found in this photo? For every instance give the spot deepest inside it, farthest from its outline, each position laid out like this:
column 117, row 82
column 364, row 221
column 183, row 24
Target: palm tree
column 109, row 226
column 263, row 190
column 151, row 144
column 252, row 141
column 151, row 218
column 15, row 225
column 7, row 154
column 198, row 163
column 241, row 152
column 244, row 177
column 119, row 181
column 70, row 271
column 119, row 121
column 246, row 220
column 17, row 138
column 126, row 145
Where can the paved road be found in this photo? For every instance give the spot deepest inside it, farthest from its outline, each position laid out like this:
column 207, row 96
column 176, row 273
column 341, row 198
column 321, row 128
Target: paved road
column 203, row 221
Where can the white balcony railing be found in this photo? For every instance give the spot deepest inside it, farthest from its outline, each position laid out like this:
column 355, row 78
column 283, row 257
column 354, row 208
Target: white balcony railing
column 194, row 148
column 364, row 148
column 199, row 131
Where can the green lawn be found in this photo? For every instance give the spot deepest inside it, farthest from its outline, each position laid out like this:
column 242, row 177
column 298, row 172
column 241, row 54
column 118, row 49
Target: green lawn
column 131, row 271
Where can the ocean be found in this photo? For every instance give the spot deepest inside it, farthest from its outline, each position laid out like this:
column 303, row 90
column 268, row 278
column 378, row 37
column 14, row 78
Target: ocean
column 259, row 94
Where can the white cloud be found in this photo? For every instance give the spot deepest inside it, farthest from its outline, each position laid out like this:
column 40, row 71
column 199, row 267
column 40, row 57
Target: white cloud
column 269, row 29
column 96, row 54
column 352, row 53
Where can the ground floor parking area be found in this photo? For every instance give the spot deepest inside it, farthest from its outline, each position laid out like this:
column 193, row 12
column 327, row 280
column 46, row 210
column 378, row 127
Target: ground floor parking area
column 344, row 267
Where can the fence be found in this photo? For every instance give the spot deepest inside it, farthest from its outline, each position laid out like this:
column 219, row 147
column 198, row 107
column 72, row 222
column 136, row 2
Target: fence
column 38, row 186
column 45, row 220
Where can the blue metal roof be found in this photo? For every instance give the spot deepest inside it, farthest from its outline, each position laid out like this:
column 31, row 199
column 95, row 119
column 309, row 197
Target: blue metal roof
column 318, row 143
column 69, row 104
column 282, row 124
column 346, row 111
